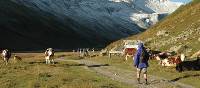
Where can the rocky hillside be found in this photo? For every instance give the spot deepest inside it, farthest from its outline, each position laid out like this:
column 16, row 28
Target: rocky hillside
column 23, row 28
column 70, row 24
column 109, row 19
column 178, row 32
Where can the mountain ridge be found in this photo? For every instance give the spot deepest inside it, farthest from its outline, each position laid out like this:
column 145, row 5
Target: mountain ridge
column 105, row 16
column 177, row 32
column 26, row 29
column 33, row 25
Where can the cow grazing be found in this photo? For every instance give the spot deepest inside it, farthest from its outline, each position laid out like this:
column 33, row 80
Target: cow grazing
column 49, row 56
column 6, row 54
column 17, row 58
column 171, row 61
column 162, row 55
column 153, row 54
column 189, row 66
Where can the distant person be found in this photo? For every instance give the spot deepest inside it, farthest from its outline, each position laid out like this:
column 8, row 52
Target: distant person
column 141, row 62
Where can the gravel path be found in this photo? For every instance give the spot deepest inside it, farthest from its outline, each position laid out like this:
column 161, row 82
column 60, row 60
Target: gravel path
column 126, row 76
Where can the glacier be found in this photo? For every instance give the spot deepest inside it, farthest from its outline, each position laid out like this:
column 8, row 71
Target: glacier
column 106, row 19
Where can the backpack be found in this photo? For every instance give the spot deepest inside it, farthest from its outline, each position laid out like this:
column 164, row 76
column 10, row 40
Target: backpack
column 144, row 57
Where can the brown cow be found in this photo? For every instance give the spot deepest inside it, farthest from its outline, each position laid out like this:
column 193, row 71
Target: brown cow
column 129, row 52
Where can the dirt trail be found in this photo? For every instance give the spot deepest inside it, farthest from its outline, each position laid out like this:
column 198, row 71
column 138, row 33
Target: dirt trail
column 126, row 76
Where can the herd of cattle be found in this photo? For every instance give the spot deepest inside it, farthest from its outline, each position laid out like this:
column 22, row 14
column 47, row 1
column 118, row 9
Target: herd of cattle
column 167, row 58
column 85, row 52
column 164, row 58
column 170, row 59
column 49, row 54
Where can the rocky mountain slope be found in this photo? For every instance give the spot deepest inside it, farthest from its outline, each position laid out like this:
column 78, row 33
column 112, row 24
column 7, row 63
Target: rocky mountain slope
column 104, row 16
column 178, row 32
column 22, row 28
column 64, row 24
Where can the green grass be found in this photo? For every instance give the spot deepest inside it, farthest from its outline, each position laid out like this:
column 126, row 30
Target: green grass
column 32, row 72
column 187, row 77
column 196, row 1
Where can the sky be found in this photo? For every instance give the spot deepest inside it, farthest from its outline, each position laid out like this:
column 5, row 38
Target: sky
column 184, row 1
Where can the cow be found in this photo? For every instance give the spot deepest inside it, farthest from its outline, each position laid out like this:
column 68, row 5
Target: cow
column 153, row 54
column 6, row 54
column 182, row 56
column 17, row 58
column 162, row 55
column 171, row 61
column 189, row 65
column 129, row 52
column 49, row 56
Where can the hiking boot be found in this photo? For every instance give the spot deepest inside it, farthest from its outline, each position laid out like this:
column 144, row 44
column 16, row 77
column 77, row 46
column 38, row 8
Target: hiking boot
column 146, row 82
column 138, row 80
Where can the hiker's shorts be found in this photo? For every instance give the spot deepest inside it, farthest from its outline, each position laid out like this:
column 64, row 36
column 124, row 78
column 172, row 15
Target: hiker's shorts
column 144, row 70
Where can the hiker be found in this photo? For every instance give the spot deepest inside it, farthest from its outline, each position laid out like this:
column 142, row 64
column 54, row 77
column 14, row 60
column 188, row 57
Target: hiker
column 141, row 62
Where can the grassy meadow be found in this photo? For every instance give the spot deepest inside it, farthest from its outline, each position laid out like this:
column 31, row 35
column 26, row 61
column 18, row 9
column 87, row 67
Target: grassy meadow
column 32, row 72
column 170, row 73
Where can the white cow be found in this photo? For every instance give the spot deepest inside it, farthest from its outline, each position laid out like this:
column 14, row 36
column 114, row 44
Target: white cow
column 6, row 54
column 49, row 56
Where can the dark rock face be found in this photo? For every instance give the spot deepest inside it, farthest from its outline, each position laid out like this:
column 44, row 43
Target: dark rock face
column 23, row 28
column 70, row 24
